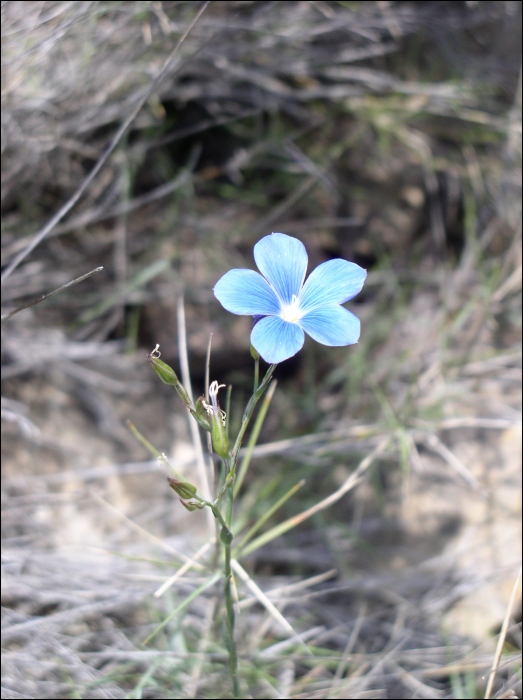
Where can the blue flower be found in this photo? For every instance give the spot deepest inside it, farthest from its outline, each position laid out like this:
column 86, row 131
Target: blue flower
column 286, row 305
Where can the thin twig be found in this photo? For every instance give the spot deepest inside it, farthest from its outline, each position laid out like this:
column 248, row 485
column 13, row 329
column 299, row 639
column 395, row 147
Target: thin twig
column 440, row 448
column 193, row 426
column 206, row 389
column 502, row 635
column 263, row 599
column 103, row 159
column 190, row 563
column 46, row 296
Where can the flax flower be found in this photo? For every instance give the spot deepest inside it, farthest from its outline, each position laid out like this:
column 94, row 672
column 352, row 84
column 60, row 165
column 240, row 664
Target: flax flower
column 284, row 307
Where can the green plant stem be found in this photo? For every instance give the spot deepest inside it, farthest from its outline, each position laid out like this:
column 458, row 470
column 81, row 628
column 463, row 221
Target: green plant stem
column 253, row 439
column 218, row 515
column 226, row 535
column 226, row 538
column 256, row 373
column 229, row 617
column 249, row 411
column 228, row 409
column 228, row 508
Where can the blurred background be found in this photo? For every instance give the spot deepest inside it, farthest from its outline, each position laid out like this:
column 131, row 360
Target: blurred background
column 385, row 133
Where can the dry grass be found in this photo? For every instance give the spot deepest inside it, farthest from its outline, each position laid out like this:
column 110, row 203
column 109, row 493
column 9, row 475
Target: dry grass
column 384, row 133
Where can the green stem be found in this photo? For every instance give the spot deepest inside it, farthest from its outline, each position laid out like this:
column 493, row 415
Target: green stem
column 253, row 438
column 249, row 411
column 226, row 535
column 256, row 373
column 228, row 480
column 218, row 515
column 228, row 507
column 226, row 538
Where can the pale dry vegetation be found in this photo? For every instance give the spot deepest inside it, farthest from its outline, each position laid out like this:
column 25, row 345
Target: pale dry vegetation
column 386, row 133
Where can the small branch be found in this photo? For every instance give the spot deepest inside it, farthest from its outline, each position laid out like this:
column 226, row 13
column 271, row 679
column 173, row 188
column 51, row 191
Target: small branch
column 502, row 635
column 193, row 426
column 51, row 294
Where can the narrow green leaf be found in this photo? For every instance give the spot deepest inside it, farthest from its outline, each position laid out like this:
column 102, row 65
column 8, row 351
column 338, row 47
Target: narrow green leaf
column 141, row 439
column 254, row 437
column 254, row 529
column 184, row 604
column 154, row 451
column 139, row 280
column 269, row 536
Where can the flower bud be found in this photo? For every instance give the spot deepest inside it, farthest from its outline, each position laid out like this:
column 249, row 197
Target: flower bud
column 220, row 441
column 200, row 413
column 192, row 504
column 168, row 375
column 183, row 488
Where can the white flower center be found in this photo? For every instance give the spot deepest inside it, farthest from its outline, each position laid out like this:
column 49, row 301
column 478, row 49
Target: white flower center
column 291, row 312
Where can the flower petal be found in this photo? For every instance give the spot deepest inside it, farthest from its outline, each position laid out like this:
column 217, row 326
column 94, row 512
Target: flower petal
column 331, row 325
column 276, row 340
column 332, row 282
column 282, row 260
column 245, row 292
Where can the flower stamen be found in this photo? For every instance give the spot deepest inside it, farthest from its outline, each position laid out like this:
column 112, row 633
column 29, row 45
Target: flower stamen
column 155, row 354
column 291, row 312
column 213, row 393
